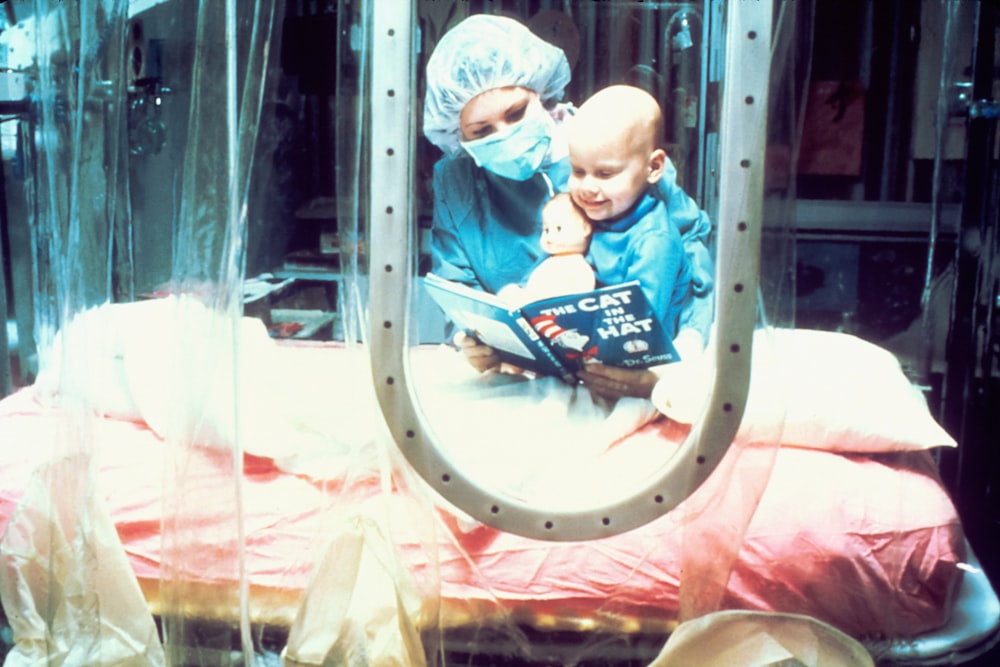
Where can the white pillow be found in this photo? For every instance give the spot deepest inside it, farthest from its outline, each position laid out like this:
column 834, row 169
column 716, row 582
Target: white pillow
column 814, row 389
column 85, row 363
column 173, row 363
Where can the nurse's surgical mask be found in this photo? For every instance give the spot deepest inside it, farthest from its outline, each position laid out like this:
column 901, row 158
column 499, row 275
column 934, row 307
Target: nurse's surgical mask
column 516, row 151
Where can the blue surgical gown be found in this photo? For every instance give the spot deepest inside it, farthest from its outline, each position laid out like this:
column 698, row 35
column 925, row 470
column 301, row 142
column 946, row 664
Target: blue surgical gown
column 643, row 245
column 486, row 229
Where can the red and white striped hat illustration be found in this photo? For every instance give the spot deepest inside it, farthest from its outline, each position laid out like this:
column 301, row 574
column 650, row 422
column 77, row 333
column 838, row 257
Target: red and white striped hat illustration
column 547, row 326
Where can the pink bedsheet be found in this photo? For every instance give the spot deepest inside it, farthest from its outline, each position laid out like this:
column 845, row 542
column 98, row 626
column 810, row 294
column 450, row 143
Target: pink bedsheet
column 871, row 544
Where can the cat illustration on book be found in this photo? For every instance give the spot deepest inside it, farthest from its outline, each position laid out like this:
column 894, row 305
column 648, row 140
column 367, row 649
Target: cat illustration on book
column 570, row 339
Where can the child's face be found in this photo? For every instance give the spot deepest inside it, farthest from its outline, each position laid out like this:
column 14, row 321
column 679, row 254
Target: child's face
column 609, row 173
column 564, row 230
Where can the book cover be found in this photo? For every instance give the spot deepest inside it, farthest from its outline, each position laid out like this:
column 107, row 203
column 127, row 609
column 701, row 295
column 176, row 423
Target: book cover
column 492, row 321
column 612, row 325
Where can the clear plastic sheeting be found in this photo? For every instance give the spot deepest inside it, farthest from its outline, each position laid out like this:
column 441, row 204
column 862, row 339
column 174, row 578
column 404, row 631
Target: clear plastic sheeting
column 69, row 593
column 361, row 607
column 757, row 640
column 62, row 553
column 182, row 485
column 207, row 273
column 76, row 154
column 100, row 355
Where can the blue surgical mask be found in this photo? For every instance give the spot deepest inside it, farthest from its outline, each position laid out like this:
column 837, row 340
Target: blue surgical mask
column 517, row 151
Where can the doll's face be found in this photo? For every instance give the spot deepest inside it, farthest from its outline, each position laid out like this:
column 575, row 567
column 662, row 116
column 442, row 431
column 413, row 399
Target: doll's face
column 564, row 229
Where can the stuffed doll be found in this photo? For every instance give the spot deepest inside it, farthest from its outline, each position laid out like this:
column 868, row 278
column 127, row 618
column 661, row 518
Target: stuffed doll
column 565, row 237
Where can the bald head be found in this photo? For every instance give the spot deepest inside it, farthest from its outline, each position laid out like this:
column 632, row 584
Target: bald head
column 614, row 151
column 621, row 113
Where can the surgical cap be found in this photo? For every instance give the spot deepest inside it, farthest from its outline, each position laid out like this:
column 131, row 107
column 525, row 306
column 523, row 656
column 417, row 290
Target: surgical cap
column 481, row 53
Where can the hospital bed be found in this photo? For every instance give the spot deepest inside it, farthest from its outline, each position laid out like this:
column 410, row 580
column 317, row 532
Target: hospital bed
column 853, row 526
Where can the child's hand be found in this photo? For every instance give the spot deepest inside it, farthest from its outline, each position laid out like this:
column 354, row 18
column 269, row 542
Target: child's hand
column 612, row 383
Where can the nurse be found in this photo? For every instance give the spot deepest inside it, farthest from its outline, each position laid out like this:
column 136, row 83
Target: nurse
column 494, row 106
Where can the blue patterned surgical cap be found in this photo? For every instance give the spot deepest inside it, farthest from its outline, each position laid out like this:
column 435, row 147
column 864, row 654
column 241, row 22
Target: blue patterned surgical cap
column 481, row 53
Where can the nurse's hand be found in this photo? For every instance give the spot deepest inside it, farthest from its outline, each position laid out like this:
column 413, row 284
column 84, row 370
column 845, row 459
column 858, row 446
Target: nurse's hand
column 481, row 357
column 612, row 383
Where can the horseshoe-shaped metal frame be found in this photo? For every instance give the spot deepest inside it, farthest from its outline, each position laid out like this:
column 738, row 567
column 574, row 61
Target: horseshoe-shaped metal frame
column 744, row 117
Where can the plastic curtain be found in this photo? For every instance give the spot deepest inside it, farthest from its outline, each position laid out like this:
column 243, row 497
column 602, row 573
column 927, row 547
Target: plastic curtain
column 61, row 553
column 83, row 609
column 350, row 127
column 80, row 61
column 281, row 518
column 743, row 477
column 199, row 372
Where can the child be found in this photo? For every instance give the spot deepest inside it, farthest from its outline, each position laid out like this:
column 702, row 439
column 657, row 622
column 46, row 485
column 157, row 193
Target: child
column 616, row 161
column 565, row 237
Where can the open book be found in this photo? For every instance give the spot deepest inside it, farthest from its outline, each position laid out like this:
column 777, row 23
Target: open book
column 612, row 325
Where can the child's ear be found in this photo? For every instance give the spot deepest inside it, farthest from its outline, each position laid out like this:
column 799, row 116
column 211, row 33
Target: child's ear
column 656, row 164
